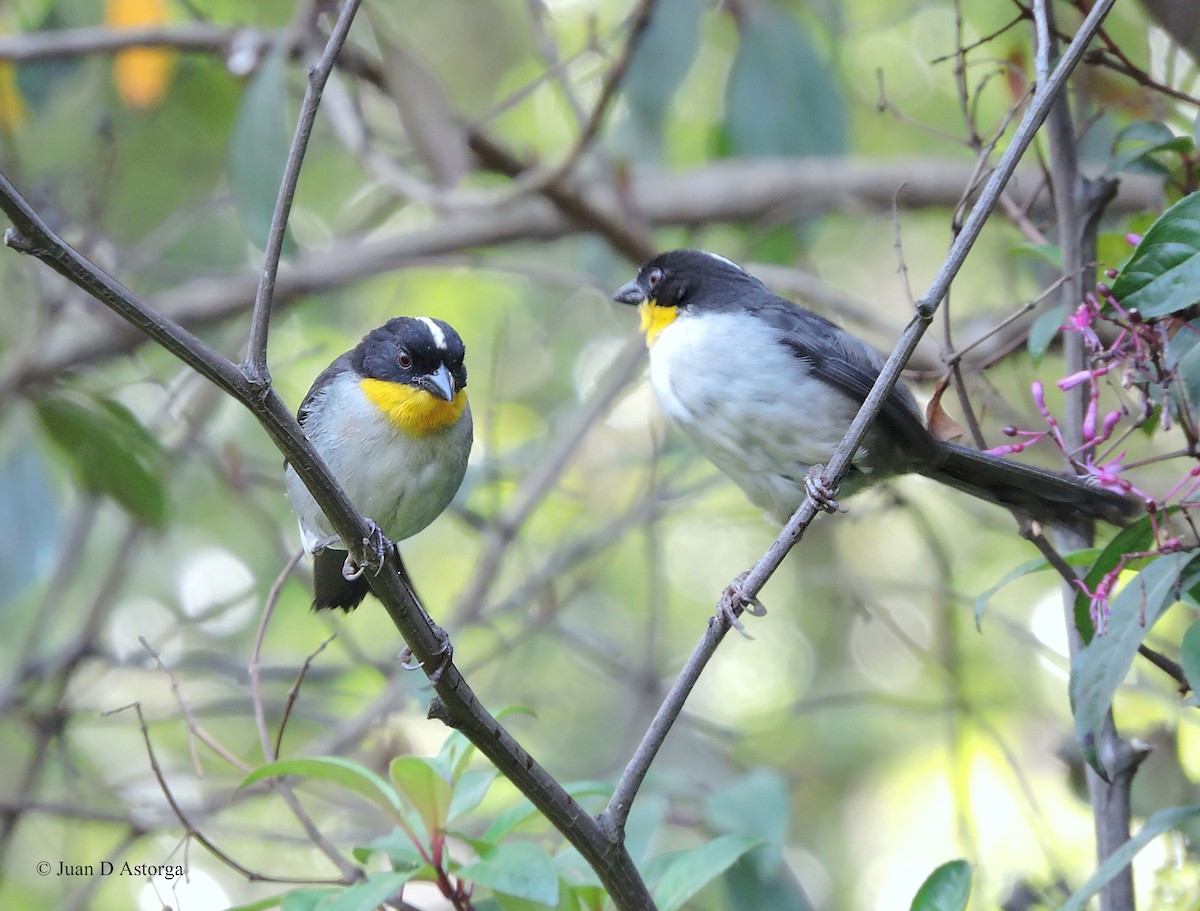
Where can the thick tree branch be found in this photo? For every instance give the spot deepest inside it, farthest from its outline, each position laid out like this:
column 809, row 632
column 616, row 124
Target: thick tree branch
column 75, row 42
column 730, row 191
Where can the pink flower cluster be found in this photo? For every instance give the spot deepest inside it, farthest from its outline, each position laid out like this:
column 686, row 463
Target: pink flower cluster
column 1135, row 355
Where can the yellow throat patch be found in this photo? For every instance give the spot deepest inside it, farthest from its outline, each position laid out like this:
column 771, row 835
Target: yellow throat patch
column 413, row 410
column 655, row 319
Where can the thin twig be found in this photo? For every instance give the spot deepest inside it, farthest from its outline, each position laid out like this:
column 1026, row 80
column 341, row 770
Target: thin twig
column 294, row 692
column 256, row 356
column 350, row 871
column 538, row 179
column 614, row 815
column 195, row 728
column 194, row 833
column 254, row 666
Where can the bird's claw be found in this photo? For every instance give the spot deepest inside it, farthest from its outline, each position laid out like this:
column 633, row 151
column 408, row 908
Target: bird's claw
column 823, row 495
column 378, row 547
column 376, row 550
column 735, row 602
column 350, row 569
column 445, row 655
column 406, row 660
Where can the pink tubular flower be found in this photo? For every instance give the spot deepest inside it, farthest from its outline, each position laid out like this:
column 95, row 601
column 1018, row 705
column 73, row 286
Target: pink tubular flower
column 1083, row 376
column 1098, row 598
column 1107, row 475
column 1185, row 487
column 1107, row 426
column 1081, row 321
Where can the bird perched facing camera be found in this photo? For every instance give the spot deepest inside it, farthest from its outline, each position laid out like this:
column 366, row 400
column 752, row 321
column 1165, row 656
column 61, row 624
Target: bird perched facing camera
column 391, row 420
column 766, row 390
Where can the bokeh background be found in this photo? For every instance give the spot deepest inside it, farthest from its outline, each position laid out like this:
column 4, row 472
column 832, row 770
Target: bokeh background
column 869, row 728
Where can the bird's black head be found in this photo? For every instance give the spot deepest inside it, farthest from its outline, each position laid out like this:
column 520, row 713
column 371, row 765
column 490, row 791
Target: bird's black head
column 414, row 351
column 684, row 280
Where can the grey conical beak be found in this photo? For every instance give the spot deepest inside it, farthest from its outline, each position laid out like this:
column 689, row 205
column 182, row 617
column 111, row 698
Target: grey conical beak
column 629, row 293
column 439, row 383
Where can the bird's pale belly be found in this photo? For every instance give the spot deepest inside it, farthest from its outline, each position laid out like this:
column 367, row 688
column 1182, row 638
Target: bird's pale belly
column 400, row 481
column 762, row 420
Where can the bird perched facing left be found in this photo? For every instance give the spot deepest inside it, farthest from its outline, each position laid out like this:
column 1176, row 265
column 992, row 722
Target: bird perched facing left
column 766, row 390
column 391, row 420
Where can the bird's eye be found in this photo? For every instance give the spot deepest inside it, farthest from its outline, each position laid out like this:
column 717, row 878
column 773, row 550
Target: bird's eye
column 404, row 359
column 655, row 276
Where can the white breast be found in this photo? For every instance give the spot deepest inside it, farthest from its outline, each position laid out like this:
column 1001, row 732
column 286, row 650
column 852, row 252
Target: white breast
column 402, row 482
column 749, row 404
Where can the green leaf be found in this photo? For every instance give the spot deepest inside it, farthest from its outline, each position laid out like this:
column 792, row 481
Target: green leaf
column 399, row 848
column 334, row 770
column 258, row 146
column 1100, row 668
column 947, row 888
column 509, row 820
column 451, row 760
column 109, row 451
column 1189, row 656
column 747, row 887
column 306, row 899
column 428, row 792
column 1183, row 356
column 456, row 752
column 29, row 514
column 1038, row 564
column 680, row 875
column 1120, row 858
column 576, row 872
column 756, row 804
column 260, row 905
column 781, row 98
column 523, row 810
column 368, row 895
column 1043, row 330
column 1133, row 539
column 662, row 59
column 1163, row 275
column 644, row 823
column 1142, row 140
column 38, row 80
column 518, row 868
column 1046, row 253
column 469, row 791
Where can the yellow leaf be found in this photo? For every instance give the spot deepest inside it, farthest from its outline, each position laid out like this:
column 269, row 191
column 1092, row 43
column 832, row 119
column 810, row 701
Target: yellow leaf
column 12, row 105
column 142, row 74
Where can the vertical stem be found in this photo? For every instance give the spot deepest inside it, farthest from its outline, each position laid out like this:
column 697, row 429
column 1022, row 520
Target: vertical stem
column 1078, row 203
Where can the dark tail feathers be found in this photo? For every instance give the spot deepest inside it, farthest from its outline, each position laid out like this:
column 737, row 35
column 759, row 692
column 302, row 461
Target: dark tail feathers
column 1042, row 494
column 330, row 588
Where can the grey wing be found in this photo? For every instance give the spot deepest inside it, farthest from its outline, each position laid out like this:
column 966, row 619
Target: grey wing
column 320, row 384
column 848, row 363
